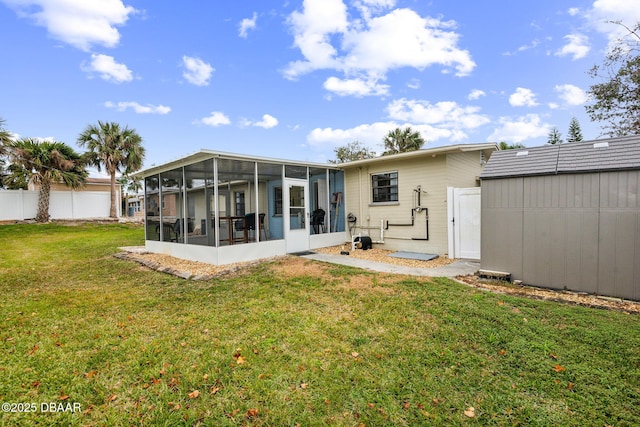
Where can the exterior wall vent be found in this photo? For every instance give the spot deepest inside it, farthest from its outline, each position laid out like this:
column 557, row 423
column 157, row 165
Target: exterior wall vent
column 601, row 145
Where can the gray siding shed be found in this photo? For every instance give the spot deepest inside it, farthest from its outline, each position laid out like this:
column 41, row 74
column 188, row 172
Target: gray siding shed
column 565, row 216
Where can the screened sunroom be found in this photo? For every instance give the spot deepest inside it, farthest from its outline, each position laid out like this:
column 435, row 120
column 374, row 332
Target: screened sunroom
column 222, row 208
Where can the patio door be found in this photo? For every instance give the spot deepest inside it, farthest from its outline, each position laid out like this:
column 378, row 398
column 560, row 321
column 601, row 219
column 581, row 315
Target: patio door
column 296, row 215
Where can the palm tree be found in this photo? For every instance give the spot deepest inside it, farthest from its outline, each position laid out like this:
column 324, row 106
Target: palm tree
column 47, row 162
column 5, row 136
column 117, row 149
column 402, row 140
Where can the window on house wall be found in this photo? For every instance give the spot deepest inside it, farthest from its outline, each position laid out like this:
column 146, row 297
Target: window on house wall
column 384, row 187
column 239, row 199
column 277, row 197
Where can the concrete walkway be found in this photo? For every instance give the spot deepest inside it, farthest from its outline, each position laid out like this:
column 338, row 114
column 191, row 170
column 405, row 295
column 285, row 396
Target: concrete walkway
column 456, row 268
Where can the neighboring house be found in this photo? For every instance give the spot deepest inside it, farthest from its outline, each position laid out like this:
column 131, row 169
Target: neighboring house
column 90, row 201
column 135, row 205
column 411, row 201
column 565, row 216
column 222, row 208
column 92, row 184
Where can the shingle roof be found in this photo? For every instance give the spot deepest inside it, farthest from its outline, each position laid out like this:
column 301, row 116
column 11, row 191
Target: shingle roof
column 585, row 156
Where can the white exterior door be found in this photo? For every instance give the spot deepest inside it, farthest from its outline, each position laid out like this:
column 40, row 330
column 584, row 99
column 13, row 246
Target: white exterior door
column 464, row 223
column 296, row 215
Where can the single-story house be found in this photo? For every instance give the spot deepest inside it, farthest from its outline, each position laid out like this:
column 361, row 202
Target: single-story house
column 91, row 184
column 222, row 208
column 91, row 201
column 425, row 201
column 135, row 205
column 565, row 216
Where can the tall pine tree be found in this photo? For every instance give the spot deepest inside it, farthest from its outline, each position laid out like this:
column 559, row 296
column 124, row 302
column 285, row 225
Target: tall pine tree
column 575, row 133
column 555, row 137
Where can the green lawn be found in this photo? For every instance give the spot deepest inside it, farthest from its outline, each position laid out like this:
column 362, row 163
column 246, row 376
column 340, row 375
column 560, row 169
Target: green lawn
column 286, row 344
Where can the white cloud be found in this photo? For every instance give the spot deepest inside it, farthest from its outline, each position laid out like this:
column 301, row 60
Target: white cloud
column 577, row 46
column 523, row 48
column 372, row 134
column 604, row 11
column 438, row 124
column 312, row 30
column 402, row 38
column 523, row 97
column 138, row 108
column 108, row 69
column 247, row 24
column 355, row 87
column 196, row 71
column 367, row 46
column 444, row 115
column 80, row 23
column 571, row 95
column 369, row 134
column 215, row 119
column 413, row 84
column 520, row 129
column 476, row 94
column 267, row 122
column 573, row 11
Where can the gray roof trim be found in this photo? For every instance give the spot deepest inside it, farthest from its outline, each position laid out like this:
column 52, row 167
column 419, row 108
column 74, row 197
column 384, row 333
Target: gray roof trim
column 205, row 154
column 612, row 154
column 445, row 149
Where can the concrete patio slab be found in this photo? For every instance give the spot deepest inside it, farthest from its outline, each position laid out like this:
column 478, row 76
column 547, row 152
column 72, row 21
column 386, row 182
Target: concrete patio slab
column 457, row 268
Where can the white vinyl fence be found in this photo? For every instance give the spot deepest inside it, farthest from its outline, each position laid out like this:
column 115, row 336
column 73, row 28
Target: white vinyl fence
column 22, row 204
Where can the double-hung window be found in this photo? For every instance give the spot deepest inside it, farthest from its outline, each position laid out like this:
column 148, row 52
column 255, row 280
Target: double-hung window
column 384, row 187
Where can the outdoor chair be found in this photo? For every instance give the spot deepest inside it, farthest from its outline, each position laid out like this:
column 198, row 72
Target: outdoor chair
column 317, row 221
column 250, row 223
column 168, row 233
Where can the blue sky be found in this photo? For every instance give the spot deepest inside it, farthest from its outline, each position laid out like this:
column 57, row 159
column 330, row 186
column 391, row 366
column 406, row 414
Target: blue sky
column 295, row 79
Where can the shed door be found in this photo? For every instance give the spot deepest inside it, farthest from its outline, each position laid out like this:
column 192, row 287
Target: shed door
column 464, row 222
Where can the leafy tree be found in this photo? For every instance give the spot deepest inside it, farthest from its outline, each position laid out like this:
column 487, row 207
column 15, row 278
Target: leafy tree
column 402, row 140
column 114, row 148
column 130, row 186
column 352, row 151
column 555, row 137
column 516, row 146
column 575, row 133
column 616, row 100
column 47, row 162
